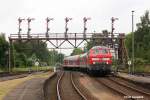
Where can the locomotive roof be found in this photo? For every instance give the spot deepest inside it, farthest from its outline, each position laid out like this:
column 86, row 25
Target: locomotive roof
column 100, row 47
column 75, row 57
column 82, row 55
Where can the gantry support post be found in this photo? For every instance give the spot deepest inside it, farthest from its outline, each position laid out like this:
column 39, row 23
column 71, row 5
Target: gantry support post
column 11, row 56
column 122, row 52
column 75, row 40
column 56, row 41
column 9, row 52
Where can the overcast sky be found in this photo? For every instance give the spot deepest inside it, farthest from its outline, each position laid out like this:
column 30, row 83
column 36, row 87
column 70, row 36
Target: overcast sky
column 100, row 12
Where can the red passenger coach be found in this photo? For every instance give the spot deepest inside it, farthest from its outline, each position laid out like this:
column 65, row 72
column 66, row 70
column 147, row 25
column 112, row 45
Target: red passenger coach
column 97, row 60
column 71, row 62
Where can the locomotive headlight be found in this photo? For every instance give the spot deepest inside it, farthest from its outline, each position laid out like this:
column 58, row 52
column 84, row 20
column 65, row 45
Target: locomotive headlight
column 106, row 62
column 105, row 58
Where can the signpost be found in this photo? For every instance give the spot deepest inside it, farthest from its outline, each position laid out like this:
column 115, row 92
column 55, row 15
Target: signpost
column 129, row 63
column 37, row 65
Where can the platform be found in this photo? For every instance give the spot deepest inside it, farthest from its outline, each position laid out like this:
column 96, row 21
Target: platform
column 135, row 78
column 29, row 90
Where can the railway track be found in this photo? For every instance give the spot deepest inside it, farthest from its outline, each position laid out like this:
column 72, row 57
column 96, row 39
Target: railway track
column 124, row 89
column 130, row 86
column 67, row 89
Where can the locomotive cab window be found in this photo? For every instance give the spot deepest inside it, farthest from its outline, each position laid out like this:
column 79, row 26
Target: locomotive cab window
column 101, row 51
column 105, row 51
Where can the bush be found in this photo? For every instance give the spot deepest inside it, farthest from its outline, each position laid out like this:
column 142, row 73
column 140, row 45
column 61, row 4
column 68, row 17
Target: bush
column 140, row 61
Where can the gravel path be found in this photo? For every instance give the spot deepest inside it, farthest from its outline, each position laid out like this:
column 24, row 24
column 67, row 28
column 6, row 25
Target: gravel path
column 98, row 90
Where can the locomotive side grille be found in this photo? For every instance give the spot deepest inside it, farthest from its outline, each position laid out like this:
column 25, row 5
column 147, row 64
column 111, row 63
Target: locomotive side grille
column 95, row 59
column 105, row 58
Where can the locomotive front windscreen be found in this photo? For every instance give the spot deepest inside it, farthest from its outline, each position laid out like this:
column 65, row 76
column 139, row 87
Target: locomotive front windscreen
column 101, row 51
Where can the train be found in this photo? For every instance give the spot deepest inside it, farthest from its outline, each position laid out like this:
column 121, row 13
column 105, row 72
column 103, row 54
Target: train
column 97, row 61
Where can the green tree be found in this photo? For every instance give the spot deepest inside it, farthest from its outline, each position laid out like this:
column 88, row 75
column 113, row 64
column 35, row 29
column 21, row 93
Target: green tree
column 128, row 42
column 38, row 48
column 21, row 59
column 77, row 51
column 3, row 51
column 60, row 58
column 141, row 38
column 55, row 57
column 96, row 42
column 25, row 51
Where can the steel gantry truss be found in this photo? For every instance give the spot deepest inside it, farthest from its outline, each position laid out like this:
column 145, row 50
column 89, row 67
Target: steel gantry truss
column 111, row 39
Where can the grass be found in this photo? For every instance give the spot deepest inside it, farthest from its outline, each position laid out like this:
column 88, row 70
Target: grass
column 34, row 68
column 139, row 68
column 142, row 68
column 6, row 87
column 1, row 70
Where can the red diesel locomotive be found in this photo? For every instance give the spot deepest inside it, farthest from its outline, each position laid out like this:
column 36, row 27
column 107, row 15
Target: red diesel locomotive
column 97, row 60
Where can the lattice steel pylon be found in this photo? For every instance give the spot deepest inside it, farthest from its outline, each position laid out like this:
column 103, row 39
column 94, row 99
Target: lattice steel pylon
column 123, row 54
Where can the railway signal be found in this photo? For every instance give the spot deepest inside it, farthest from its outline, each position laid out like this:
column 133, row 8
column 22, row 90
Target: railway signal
column 85, row 28
column 112, row 24
column 47, row 25
column 67, row 19
column 19, row 23
column 29, row 29
column 113, row 19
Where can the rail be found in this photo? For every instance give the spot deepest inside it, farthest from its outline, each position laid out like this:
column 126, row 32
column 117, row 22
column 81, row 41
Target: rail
column 58, row 85
column 73, row 84
column 114, row 89
column 77, row 89
column 127, row 86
